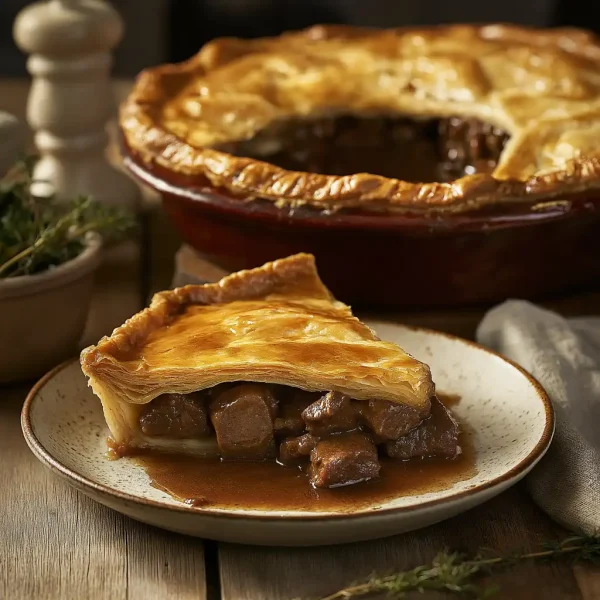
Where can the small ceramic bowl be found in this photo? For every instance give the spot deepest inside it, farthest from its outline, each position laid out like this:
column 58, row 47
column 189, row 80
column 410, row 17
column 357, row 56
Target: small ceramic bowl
column 42, row 316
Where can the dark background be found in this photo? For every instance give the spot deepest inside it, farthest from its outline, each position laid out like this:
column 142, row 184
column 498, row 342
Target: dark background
column 171, row 30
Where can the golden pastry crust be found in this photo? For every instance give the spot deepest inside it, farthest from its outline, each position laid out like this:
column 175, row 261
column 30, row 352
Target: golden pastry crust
column 181, row 117
column 274, row 324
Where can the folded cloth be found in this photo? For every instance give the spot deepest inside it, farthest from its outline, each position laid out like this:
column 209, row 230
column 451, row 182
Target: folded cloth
column 564, row 356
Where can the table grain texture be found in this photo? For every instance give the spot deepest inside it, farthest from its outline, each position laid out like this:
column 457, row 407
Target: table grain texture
column 56, row 543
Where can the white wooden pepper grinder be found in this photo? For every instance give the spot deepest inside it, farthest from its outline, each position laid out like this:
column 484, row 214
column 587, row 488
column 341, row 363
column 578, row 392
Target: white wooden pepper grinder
column 71, row 101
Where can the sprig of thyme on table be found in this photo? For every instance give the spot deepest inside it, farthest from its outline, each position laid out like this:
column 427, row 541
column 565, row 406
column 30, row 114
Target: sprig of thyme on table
column 37, row 233
column 455, row 573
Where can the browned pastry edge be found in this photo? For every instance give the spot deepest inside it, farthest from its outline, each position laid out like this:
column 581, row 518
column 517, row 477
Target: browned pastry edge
column 249, row 179
column 294, row 272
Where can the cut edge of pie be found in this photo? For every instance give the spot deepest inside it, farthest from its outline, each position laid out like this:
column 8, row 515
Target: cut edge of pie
column 277, row 325
column 183, row 117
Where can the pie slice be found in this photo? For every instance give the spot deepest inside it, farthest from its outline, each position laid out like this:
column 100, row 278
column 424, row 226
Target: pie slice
column 264, row 363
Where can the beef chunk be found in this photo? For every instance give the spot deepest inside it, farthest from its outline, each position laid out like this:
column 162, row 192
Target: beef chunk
column 388, row 420
column 289, row 422
column 343, row 459
column 294, row 450
column 176, row 416
column 243, row 422
column 436, row 436
column 333, row 413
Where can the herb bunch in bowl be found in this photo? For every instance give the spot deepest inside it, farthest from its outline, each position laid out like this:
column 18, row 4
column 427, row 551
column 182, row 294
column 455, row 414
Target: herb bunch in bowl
column 39, row 232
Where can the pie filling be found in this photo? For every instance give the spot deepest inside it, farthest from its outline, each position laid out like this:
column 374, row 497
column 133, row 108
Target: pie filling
column 337, row 439
column 418, row 151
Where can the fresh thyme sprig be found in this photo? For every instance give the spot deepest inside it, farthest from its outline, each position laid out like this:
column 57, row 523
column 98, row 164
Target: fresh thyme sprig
column 455, row 573
column 38, row 233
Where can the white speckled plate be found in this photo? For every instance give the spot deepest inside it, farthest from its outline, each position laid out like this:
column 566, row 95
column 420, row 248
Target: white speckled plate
column 509, row 411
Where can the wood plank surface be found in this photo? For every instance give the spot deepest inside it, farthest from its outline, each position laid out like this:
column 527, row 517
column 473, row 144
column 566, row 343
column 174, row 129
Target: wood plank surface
column 509, row 522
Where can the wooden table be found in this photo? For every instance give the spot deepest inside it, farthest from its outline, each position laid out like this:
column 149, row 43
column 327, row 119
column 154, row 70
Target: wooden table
column 56, row 543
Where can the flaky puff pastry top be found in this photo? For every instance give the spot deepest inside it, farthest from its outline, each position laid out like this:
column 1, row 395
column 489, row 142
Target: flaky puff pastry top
column 541, row 86
column 275, row 324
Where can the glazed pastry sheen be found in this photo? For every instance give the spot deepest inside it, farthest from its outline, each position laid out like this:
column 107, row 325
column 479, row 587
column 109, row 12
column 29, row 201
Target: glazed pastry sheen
column 540, row 86
column 276, row 324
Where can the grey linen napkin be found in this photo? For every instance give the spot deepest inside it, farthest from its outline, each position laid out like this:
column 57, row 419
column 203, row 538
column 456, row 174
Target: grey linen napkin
column 564, row 356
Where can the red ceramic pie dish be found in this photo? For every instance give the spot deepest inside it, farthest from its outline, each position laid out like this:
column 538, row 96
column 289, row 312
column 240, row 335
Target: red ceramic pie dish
column 399, row 261
column 445, row 166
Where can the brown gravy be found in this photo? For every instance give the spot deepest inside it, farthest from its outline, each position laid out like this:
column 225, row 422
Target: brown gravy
column 210, row 483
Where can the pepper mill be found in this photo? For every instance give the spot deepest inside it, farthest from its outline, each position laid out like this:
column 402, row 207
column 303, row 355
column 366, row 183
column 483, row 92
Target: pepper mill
column 71, row 101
